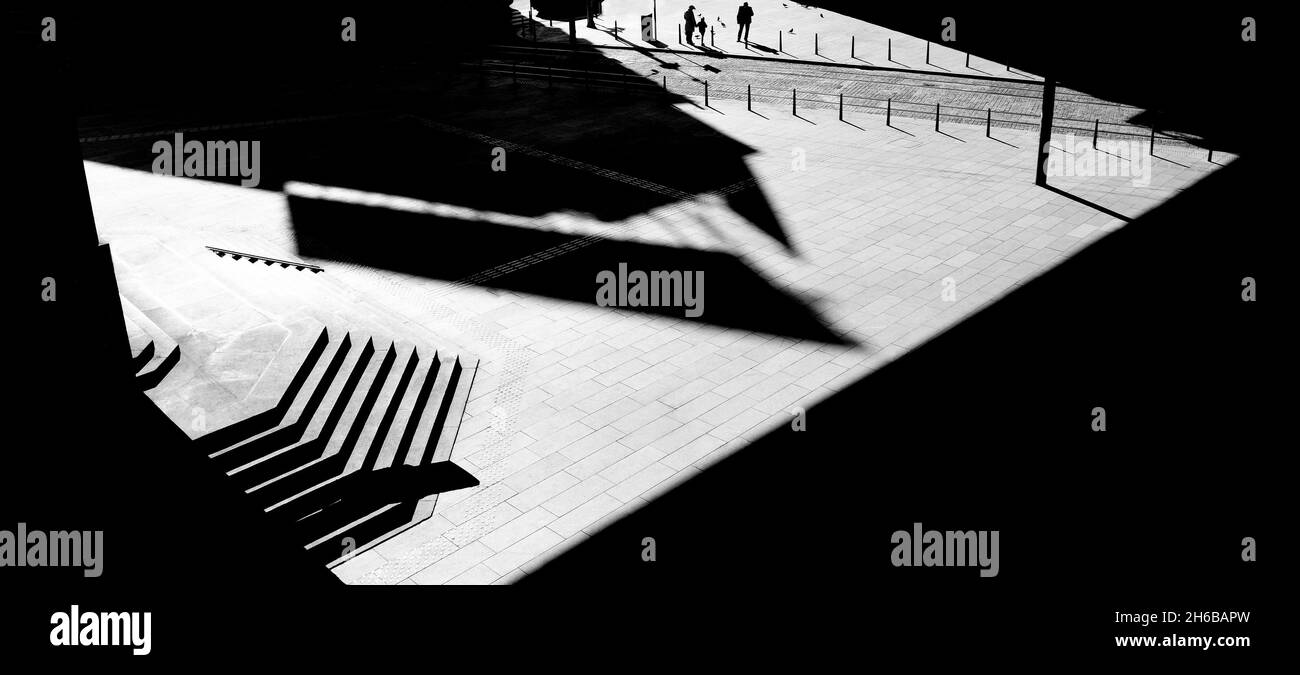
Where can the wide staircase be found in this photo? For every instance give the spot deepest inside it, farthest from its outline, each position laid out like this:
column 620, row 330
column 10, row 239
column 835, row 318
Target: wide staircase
column 336, row 415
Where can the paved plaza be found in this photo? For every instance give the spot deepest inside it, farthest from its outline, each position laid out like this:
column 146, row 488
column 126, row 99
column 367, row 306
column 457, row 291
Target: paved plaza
column 579, row 414
column 780, row 30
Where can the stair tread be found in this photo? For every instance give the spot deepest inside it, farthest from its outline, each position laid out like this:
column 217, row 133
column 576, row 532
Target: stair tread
column 388, row 454
column 324, row 418
column 456, row 412
column 370, row 438
column 417, row 453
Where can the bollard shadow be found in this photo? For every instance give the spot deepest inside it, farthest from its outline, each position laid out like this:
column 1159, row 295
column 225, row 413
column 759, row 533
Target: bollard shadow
column 754, row 46
column 1088, row 203
column 1166, row 159
column 944, row 133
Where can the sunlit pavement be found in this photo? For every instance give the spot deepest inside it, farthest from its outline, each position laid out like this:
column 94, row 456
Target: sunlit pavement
column 581, row 413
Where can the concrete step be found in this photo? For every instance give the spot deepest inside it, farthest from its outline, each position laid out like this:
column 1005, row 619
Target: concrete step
column 370, row 527
column 231, row 354
column 454, row 412
column 161, row 354
column 298, row 421
column 442, row 391
column 338, row 404
column 366, row 455
column 141, row 344
column 358, row 421
column 289, row 381
column 358, row 365
column 277, row 289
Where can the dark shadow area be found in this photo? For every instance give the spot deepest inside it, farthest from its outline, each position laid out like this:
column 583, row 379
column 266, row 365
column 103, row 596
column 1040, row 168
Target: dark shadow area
column 989, row 425
column 364, row 143
column 449, row 248
column 109, row 460
column 1189, row 55
column 986, row 426
column 360, row 492
column 149, row 380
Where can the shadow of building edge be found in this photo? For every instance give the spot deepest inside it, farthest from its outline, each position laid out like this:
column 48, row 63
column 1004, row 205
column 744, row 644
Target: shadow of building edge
column 712, row 518
column 451, row 249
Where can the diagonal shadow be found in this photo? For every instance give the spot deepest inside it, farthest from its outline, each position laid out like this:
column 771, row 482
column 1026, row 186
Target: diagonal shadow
column 1088, row 203
column 451, row 248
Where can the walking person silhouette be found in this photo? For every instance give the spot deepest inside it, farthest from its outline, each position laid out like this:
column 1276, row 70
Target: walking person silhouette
column 689, row 18
column 744, row 16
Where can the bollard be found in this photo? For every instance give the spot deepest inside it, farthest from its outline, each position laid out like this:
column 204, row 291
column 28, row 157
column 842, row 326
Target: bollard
column 841, row 106
column 889, row 46
column 665, row 83
column 779, row 36
column 679, row 33
column 936, row 117
column 853, row 45
column 1211, row 157
column 713, row 34
column 988, row 125
column 1153, row 141
column 816, row 49
column 968, row 59
column 889, row 106
column 794, row 102
column 1096, row 124
column 706, row 93
column 749, row 97
column 927, row 52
